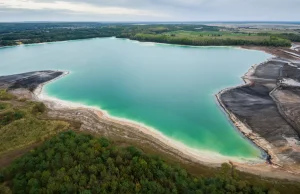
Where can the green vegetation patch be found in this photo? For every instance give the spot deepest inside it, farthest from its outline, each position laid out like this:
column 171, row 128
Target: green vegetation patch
column 218, row 35
column 187, row 38
column 21, row 125
column 38, row 108
column 4, row 106
column 77, row 163
column 5, row 95
column 23, row 132
column 10, row 116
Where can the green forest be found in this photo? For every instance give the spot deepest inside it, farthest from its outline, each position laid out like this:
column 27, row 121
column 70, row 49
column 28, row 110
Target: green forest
column 79, row 163
column 161, row 38
column 27, row 33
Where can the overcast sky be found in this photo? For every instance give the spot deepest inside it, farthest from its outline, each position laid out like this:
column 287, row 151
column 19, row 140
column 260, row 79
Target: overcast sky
column 149, row 10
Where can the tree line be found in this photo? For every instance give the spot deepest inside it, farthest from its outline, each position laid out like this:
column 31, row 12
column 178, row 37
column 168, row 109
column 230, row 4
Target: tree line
column 27, row 33
column 161, row 38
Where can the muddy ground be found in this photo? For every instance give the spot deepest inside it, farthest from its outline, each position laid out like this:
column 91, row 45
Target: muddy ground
column 30, row 80
column 270, row 106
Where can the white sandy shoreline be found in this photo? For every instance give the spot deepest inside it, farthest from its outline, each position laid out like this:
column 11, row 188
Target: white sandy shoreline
column 201, row 156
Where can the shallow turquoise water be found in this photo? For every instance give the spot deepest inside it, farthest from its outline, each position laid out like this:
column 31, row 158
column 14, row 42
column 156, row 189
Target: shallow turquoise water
column 168, row 87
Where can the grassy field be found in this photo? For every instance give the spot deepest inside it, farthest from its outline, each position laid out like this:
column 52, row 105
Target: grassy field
column 20, row 123
column 6, row 96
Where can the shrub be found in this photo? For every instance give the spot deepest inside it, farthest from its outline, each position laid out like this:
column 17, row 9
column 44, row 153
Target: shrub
column 6, row 96
column 39, row 108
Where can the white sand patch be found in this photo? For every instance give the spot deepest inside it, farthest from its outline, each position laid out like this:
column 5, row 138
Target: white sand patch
column 290, row 82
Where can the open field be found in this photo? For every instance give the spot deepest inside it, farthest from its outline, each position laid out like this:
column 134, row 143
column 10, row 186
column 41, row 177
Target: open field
column 21, row 124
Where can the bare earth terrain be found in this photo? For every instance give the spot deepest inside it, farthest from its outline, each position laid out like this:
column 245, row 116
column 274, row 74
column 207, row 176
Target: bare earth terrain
column 266, row 109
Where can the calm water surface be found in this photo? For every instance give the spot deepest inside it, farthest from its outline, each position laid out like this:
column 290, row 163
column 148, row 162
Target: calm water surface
column 170, row 88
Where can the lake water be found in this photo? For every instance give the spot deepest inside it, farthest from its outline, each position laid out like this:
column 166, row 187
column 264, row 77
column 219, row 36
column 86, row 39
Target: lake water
column 170, row 88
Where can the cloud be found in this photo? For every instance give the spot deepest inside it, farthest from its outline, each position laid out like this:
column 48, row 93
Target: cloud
column 76, row 7
column 149, row 10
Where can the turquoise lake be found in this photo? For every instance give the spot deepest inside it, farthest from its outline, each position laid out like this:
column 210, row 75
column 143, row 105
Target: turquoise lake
column 170, row 88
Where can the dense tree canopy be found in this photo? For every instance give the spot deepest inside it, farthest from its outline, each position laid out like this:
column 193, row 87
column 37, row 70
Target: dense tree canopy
column 77, row 163
column 272, row 41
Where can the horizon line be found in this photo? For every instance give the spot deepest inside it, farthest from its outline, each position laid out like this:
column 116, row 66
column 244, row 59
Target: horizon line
column 128, row 21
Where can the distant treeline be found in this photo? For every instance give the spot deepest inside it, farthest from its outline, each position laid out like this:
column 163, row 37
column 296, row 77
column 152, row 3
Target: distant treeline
column 26, row 33
column 38, row 36
column 290, row 36
column 272, row 41
column 77, row 163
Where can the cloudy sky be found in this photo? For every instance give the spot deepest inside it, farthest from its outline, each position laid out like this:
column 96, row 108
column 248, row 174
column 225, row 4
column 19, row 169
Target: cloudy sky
column 149, row 10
